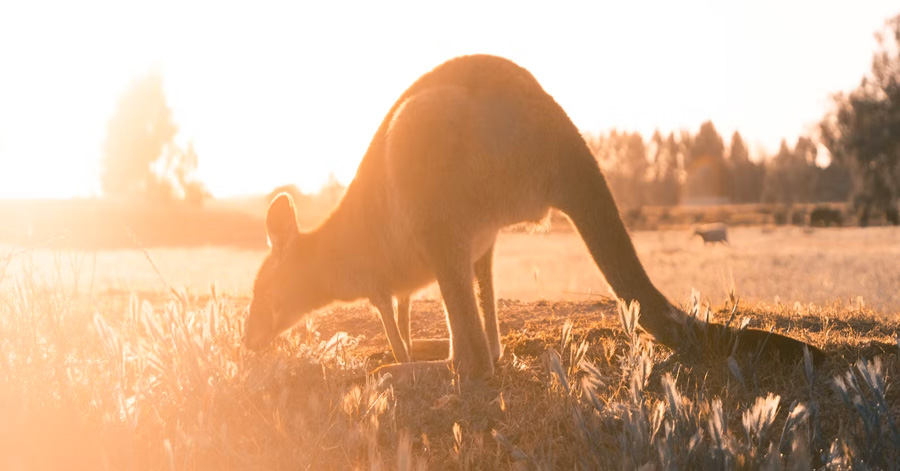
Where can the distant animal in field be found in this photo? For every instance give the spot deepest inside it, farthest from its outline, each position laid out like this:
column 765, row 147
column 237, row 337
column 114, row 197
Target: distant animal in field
column 471, row 147
column 712, row 233
column 823, row 216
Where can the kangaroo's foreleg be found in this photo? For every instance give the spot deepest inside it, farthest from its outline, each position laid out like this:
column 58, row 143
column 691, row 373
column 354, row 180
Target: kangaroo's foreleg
column 386, row 308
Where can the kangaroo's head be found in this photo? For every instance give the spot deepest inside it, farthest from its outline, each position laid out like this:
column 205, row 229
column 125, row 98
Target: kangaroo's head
column 286, row 287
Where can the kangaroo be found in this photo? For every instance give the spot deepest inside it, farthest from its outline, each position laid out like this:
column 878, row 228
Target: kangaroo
column 471, row 147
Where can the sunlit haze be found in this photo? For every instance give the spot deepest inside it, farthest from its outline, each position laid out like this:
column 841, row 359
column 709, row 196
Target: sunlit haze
column 291, row 92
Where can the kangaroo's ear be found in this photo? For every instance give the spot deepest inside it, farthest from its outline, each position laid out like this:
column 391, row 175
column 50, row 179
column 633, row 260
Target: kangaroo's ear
column 281, row 222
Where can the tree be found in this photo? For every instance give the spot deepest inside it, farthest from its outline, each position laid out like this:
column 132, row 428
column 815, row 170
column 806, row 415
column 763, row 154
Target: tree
column 666, row 184
column 746, row 176
column 861, row 130
column 705, row 167
column 140, row 157
column 777, row 187
column 623, row 158
column 634, row 167
column 708, row 143
column 791, row 174
column 834, row 183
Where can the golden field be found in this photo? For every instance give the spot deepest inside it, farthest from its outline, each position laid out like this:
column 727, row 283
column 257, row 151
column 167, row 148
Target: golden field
column 783, row 264
column 131, row 359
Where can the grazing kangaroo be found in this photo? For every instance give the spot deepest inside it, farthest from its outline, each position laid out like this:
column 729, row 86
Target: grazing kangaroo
column 471, row 147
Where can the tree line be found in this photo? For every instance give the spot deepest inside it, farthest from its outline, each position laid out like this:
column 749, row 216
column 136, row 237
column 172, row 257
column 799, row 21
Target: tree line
column 861, row 133
column 685, row 168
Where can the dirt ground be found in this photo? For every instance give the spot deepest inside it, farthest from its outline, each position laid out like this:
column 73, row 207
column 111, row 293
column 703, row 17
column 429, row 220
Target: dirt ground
column 516, row 318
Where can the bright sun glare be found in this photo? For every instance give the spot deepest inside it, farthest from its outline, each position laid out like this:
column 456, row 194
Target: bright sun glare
column 292, row 92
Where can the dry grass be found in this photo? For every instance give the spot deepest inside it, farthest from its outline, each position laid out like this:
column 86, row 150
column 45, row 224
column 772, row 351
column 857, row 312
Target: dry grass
column 159, row 381
column 766, row 264
column 112, row 224
column 772, row 265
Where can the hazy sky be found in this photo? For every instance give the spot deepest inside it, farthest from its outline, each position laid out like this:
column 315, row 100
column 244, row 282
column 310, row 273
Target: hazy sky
column 274, row 93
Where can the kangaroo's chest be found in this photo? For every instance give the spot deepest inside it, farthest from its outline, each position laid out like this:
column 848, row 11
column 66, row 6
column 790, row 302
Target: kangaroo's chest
column 413, row 268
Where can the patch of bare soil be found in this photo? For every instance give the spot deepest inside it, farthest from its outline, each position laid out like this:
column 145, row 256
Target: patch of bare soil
column 524, row 326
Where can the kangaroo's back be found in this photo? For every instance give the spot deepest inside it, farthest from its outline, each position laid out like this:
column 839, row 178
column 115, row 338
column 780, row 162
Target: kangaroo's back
column 510, row 136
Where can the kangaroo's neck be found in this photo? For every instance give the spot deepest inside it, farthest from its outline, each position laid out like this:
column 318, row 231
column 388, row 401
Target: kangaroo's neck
column 346, row 249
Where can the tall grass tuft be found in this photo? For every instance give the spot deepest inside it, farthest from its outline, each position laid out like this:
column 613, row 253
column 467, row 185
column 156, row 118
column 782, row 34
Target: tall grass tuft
column 668, row 430
column 874, row 438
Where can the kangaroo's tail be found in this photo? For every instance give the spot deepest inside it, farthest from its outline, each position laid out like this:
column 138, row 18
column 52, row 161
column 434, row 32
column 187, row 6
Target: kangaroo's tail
column 585, row 197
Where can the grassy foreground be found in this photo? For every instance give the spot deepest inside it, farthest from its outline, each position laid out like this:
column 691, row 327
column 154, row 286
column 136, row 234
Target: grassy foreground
column 118, row 382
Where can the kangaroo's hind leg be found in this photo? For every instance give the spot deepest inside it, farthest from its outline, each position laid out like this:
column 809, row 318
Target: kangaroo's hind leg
column 484, row 276
column 437, row 349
